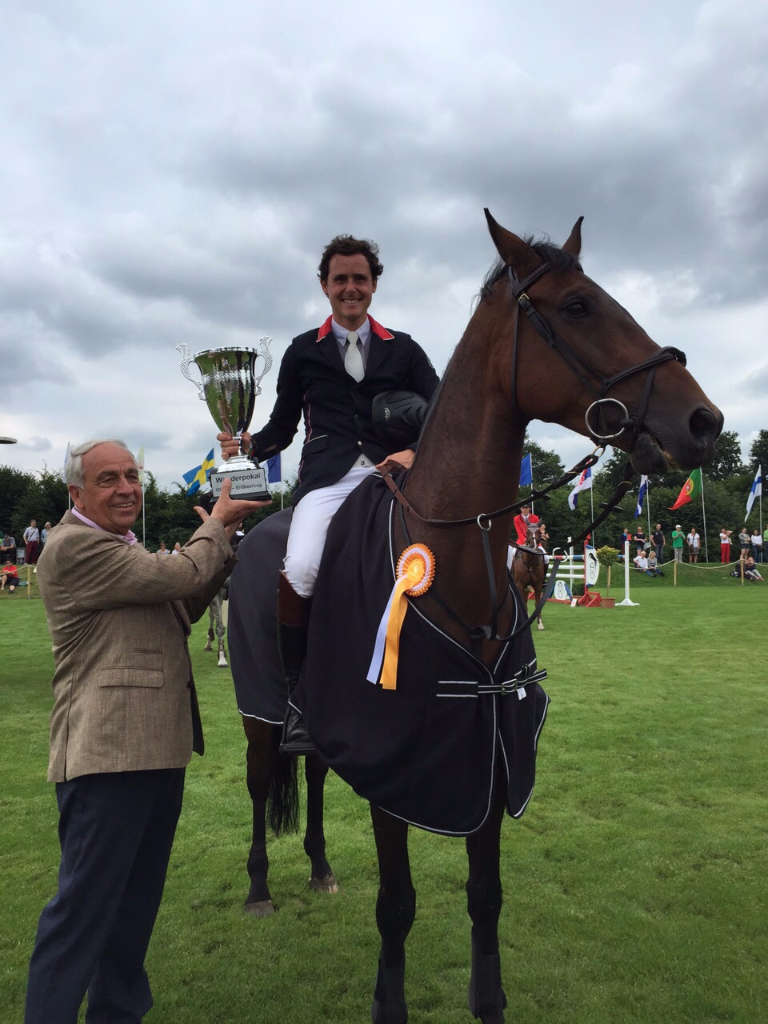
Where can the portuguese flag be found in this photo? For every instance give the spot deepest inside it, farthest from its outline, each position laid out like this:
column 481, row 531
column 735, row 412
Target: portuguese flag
column 691, row 489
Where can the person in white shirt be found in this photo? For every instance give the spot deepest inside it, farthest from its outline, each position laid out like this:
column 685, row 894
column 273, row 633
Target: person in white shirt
column 757, row 545
column 693, row 540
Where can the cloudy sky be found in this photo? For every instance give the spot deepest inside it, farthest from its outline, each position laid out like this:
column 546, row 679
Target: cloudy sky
column 171, row 171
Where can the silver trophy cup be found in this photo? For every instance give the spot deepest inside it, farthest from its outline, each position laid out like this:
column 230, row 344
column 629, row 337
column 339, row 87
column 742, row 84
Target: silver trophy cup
column 229, row 386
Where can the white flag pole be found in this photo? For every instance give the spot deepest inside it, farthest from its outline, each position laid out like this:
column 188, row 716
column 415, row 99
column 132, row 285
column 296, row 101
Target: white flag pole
column 704, row 517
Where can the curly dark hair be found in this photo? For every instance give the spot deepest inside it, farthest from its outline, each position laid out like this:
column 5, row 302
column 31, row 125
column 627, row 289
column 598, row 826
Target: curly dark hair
column 347, row 245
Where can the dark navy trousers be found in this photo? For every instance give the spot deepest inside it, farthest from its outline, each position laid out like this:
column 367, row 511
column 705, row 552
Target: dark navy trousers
column 116, row 832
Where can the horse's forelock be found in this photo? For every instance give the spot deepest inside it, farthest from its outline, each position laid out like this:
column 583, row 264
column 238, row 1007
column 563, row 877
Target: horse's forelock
column 548, row 251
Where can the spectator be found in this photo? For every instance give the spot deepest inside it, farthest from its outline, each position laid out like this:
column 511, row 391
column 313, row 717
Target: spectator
column 44, row 536
column 743, row 542
column 725, row 546
column 642, row 563
column 678, row 539
column 757, row 545
column 32, row 543
column 750, row 570
column 658, row 542
column 653, row 564
column 163, row 550
column 640, row 539
column 9, row 575
column 693, row 540
column 176, row 548
column 8, row 549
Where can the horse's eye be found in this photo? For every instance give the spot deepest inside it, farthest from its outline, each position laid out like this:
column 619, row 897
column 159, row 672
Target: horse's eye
column 576, row 308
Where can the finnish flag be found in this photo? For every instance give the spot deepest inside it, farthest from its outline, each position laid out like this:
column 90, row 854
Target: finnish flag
column 641, row 496
column 757, row 489
column 585, row 482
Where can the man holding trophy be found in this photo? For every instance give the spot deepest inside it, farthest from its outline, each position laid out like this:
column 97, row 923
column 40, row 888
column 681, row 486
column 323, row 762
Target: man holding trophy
column 362, row 389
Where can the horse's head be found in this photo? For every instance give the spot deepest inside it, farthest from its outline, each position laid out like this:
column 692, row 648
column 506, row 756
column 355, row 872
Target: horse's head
column 576, row 353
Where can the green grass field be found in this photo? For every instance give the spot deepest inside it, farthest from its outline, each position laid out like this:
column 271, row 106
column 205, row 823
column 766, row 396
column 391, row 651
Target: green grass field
column 634, row 884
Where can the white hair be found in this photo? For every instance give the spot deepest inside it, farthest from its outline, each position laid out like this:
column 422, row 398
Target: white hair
column 73, row 471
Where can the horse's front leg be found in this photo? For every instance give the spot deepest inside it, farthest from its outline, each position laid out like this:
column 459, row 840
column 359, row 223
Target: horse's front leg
column 322, row 878
column 259, row 758
column 486, row 996
column 395, row 911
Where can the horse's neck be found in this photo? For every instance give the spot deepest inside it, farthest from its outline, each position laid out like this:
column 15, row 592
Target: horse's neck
column 468, row 463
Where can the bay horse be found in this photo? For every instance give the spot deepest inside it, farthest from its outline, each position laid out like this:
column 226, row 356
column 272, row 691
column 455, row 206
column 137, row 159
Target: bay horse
column 544, row 342
column 529, row 569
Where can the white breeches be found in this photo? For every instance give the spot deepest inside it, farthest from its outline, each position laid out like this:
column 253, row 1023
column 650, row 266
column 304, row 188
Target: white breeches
column 309, row 527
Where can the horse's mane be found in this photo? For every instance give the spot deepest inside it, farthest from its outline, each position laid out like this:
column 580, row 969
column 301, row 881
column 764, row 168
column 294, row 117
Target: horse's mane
column 549, row 252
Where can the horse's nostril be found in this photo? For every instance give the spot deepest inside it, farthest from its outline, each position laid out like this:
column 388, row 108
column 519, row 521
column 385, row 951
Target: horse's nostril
column 705, row 426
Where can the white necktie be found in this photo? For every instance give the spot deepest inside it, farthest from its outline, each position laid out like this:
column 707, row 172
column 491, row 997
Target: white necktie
column 353, row 358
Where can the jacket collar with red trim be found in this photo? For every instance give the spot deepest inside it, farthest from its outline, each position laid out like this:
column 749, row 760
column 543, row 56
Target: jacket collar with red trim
column 376, row 328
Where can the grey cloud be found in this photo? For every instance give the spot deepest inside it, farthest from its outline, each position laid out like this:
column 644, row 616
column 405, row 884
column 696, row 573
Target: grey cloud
column 757, row 383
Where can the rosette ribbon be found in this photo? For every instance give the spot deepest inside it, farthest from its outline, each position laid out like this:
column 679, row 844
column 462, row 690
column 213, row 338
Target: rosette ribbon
column 415, row 572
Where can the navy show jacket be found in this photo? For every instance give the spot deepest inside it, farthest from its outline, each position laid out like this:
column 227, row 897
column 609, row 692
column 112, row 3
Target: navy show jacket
column 336, row 408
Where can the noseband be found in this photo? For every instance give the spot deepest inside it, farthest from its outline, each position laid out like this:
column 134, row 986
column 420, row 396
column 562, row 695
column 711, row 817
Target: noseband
column 578, row 365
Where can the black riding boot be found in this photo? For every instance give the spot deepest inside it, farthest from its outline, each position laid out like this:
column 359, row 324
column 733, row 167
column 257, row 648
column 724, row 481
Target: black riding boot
column 292, row 627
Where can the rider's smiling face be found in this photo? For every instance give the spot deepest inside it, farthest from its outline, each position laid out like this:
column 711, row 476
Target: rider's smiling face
column 349, row 287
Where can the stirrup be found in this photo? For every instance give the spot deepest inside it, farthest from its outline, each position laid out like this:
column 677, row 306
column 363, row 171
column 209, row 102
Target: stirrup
column 295, row 738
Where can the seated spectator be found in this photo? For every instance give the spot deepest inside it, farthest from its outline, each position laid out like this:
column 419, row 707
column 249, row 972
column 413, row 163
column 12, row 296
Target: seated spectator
column 9, row 575
column 8, row 549
column 653, row 564
column 751, row 572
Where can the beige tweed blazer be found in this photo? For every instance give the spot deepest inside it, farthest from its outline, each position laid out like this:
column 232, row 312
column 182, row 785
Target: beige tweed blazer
column 119, row 618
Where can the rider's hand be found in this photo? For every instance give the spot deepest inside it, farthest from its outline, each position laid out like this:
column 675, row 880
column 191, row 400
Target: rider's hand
column 230, row 511
column 404, row 459
column 230, row 447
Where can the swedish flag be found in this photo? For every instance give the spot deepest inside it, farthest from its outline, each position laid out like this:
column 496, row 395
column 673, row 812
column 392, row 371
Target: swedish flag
column 198, row 477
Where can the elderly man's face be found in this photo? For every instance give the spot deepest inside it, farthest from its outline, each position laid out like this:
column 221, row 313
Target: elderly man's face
column 111, row 495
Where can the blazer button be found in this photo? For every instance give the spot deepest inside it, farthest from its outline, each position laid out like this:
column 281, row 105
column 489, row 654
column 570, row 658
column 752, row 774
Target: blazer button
column 359, row 444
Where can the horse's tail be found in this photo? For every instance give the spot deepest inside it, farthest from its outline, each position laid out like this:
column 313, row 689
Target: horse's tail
column 283, row 795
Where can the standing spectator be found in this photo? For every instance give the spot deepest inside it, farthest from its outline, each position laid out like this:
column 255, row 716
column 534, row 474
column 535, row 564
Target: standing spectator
column 693, row 540
column 177, row 548
column 44, row 536
column 8, row 549
column 743, row 543
column 757, row 545
column 163, row 550
column 678, row 539
column 725, row 546
column 658, row 543
column 9, row 574
column 640, row 539
column 124, row 724
column 32, row 543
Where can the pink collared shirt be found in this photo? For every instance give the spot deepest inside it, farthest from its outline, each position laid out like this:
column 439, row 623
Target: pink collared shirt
column 129, row 538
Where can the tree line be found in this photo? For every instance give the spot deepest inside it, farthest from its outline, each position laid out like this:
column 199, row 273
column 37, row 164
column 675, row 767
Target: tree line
column 170, row 514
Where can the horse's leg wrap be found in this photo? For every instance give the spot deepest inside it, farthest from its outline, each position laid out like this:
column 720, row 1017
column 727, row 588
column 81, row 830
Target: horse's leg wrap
column 395, row 912
column 389, row 1006
column 292, row 628
column 485, row 996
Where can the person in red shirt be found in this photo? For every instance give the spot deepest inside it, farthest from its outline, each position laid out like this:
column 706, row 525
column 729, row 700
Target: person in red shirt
column 521, row 524
column 9, row 575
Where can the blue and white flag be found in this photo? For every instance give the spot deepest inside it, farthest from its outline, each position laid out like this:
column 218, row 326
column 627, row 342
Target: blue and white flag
column 274, row 470
column 757, row 489
column 584, row 483
column 526, row 472
column 641, row 496
column 198, row 477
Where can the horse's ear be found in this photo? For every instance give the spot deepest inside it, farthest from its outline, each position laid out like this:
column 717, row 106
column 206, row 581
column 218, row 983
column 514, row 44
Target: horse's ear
column 573, row 245
column 513, row 250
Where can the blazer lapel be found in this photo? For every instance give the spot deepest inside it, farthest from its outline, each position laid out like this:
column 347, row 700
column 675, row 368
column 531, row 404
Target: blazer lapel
column 378, row 347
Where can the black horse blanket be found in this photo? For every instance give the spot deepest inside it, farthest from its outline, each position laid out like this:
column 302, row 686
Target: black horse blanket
column 256, row 670
column 428, row 751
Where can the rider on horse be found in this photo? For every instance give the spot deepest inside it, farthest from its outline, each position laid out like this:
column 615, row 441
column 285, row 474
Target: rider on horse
column 334, row 375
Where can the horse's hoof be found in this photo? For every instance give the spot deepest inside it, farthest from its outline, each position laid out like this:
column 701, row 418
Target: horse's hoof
column 327, row 884
column 389, row 1006
column 485, row 996
column 263, row 908
column 208, row 646
column 223, row 661
column 541, row 625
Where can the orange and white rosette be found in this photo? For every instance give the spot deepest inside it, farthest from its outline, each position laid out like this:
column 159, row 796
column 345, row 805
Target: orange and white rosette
column 415, row 572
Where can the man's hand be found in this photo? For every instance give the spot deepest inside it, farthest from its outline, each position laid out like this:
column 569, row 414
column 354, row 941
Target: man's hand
column 404, row 459
column 230, row 446
column 230, row 511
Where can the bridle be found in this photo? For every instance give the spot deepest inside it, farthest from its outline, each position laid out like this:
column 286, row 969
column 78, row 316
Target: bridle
column 579, row 367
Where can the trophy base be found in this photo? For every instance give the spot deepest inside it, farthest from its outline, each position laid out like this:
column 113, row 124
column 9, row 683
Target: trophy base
column 249, row 482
